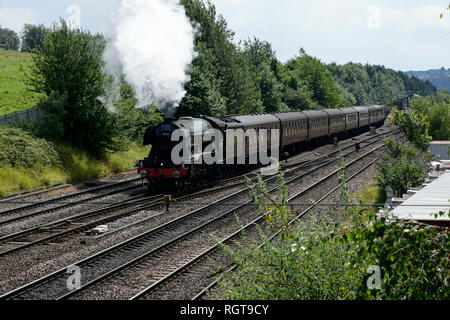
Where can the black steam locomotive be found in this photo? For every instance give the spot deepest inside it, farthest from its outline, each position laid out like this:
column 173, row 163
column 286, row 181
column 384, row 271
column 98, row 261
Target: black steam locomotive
column 295, row 132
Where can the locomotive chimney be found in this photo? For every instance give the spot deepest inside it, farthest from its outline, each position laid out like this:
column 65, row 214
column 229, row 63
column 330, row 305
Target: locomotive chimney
column 169, row 109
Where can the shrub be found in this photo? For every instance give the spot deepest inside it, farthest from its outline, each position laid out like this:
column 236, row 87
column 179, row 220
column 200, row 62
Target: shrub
column 402, row 166
column 437, row 112
column 19, row 149
column 415, row 126
column 412, row 259
column 305, row 264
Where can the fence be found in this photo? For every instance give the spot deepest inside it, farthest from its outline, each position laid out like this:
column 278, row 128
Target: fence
column 23, row 115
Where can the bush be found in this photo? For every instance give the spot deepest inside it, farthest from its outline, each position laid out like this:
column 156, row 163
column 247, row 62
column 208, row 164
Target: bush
column 304, row 262
column 415, row 126
column 26, row 162
column 304, row 265
column 132, row 122
column 402, row 166
column 437, row 112
column 412, row 259
column 19, row 149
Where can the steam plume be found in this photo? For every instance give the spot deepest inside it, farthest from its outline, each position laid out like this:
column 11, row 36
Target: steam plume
column 153, row 43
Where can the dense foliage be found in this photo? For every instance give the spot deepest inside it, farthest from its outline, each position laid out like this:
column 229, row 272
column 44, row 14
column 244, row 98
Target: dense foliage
column 310, row 73
column 28, row 163
column 415, row 126
column 402, row 166
column 369, row 84
column 230, row 78
column 221, row 70
column 412, row 259
column 437, row 112
column 33, row 37
column 20, row 149
column 69, row 67
column 9, row 40
column 132, row 122
column 299, row 265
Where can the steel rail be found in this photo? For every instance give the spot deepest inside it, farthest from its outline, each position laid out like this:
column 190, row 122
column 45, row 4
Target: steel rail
column 207, row 253
column 65, row 197
column 142, row 236
column 167, row 246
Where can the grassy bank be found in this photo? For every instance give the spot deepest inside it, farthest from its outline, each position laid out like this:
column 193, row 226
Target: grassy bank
column 14, row 95
column 28, row 163
column 78, row 165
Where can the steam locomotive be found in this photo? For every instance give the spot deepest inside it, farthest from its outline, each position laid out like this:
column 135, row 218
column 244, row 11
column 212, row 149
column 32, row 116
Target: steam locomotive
column 283, row 133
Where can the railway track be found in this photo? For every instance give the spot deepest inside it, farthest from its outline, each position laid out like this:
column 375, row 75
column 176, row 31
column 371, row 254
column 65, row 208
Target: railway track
column 117, row 187
column 120, row 257
column 81, row 222
column 200, row 269
column 257, row 222
column 20, row 196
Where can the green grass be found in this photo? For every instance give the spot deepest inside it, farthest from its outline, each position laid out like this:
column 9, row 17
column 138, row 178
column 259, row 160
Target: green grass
column 80, row 166
column 14, row 179
column 370, row 194
column 14, row 93
column 77, row 165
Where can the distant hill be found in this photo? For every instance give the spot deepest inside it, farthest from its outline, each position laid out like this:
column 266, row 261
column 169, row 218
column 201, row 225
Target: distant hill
column 439, row 77
column 14, row 95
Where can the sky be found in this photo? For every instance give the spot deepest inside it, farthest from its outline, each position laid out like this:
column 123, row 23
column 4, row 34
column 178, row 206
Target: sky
column 402, row 34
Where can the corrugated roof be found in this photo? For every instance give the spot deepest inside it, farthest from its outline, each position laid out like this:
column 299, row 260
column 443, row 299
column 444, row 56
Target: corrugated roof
column 432, row 199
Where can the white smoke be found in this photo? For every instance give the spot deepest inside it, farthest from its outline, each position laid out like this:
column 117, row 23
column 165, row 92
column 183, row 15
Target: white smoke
column 152, row 45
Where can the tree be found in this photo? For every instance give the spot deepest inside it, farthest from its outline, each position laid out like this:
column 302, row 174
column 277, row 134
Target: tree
column 33, row 37
column 312, row 73
column 69, row 65
column 415, row 126
column 132, row 122
column 264, row 64
column 437, row 111
column 348, row 99
column 9, row 40
column 371, row 83
column 230, row 67
column 203, row 90
column 299, row 99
